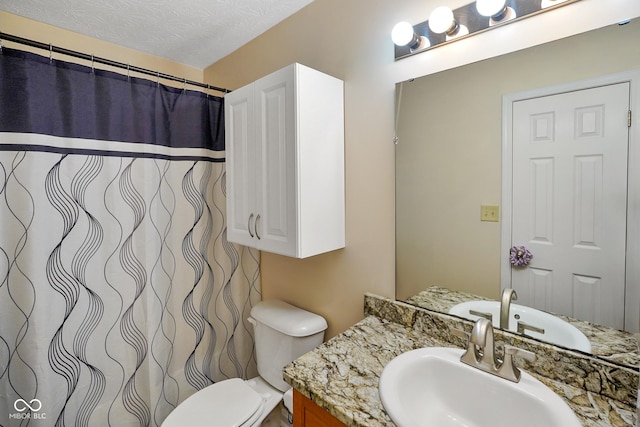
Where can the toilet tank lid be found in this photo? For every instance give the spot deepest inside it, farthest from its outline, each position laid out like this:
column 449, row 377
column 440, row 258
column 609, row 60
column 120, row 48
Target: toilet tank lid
column 288, row 319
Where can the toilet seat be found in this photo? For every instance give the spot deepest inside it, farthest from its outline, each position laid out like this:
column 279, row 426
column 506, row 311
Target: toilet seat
column 227, row 403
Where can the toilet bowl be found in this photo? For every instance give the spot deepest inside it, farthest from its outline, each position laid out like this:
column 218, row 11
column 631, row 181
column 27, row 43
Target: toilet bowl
column 232, row 402
column 282, row 334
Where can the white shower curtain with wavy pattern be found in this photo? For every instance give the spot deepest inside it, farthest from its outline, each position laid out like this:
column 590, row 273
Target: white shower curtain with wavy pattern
column 119, row 294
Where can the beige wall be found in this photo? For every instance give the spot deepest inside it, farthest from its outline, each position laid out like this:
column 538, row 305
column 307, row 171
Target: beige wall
column 350, row 40
column 27, row 28
column 449, row 156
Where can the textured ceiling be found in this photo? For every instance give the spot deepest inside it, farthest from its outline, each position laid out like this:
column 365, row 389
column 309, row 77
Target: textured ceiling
column 191, row 32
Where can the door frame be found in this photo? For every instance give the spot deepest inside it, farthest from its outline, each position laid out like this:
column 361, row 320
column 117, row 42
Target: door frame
column 632, row 286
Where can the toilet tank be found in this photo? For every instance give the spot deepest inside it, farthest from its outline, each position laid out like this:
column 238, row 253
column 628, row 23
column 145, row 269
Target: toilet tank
column 283, row 333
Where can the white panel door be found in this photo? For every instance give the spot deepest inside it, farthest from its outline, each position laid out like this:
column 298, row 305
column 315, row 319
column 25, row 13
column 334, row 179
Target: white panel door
column 569, row 202
column 240, row 153
column 276, row 220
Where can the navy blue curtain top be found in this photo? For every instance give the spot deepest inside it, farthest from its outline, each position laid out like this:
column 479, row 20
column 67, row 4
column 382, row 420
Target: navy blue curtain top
column 58, row 98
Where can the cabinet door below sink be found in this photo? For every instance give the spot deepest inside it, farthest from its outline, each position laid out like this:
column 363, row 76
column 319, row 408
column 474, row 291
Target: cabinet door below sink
column 307, row 414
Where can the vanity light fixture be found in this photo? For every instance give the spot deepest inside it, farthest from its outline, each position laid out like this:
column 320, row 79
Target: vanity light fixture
column 496, row 10
column 446, row 26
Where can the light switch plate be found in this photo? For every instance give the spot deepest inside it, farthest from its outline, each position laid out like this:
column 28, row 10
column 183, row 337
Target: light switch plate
column 489, row 213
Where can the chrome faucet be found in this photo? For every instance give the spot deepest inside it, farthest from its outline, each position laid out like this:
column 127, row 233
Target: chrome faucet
column 508, row 295
column 480, row 352
column 481, row 347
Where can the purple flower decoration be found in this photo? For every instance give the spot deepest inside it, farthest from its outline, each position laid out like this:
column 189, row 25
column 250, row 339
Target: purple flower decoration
column 520, row 256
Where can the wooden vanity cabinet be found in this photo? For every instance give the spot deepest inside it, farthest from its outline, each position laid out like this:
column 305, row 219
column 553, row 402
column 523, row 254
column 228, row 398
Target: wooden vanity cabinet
column 307, row 414
column 284, row 136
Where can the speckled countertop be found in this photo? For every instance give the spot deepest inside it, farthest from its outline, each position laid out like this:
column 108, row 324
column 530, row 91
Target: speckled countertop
column 342, row 374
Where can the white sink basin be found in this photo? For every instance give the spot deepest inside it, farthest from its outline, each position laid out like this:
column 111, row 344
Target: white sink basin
column 431, row 387
column 556, row 330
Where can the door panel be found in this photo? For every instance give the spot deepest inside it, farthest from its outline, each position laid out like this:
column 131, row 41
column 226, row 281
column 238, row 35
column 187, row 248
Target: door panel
column 240, row 153
column 569, row 202
column 276, row 162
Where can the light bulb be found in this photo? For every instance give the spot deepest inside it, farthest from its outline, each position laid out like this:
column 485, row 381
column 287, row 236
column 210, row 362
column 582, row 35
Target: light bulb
column 441, row 20
column 490, row 7
column 402, row 33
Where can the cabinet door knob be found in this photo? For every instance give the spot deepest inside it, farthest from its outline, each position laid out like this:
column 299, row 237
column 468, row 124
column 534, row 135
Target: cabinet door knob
column 249, row 225
column 255, row 227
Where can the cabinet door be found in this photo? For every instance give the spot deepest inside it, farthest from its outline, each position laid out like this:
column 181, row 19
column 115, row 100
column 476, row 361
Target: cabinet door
column 307, row 414
column 276, row 218
column 240, row 161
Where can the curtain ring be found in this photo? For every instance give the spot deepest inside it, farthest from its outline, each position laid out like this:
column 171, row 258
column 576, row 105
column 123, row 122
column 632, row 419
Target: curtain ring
column 92, row 67
column 0, row 46
column 207, row 90
column 184, row 85
column 128, row 73
column 50, row 53
column 157, row 78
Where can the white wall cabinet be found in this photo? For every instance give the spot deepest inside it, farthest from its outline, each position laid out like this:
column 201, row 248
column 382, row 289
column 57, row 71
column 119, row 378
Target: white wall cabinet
column 284, row 136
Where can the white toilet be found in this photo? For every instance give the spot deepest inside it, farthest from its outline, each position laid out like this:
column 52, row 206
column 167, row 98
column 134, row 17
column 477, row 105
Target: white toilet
column 282, row 334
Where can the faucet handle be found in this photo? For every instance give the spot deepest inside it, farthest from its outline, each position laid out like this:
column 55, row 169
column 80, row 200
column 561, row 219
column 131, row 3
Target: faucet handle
column 469, row 356
column 524, row 326
column 507, row 369
column 461, row 334
column 487, row 316
column 510, row 351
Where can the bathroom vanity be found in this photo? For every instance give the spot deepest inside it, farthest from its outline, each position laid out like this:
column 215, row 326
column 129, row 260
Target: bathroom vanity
column 337, row 383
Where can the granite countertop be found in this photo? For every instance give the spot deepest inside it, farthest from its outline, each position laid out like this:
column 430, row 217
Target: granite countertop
column 342, row 377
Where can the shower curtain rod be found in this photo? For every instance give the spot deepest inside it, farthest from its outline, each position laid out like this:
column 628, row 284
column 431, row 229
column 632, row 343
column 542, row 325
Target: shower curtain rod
column 94, row 59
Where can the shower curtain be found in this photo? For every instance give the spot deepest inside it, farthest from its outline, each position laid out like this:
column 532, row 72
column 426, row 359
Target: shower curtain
column 119, row 293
